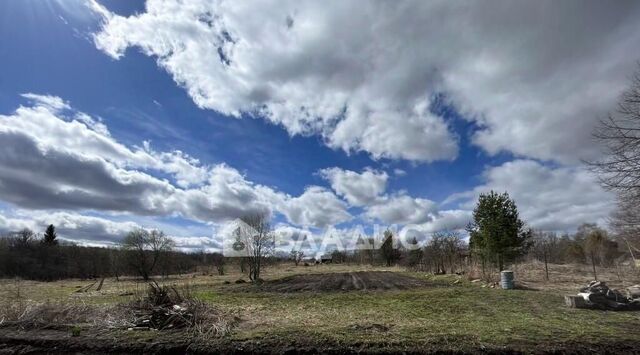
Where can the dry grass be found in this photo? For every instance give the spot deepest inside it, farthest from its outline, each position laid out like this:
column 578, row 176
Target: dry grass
column 456, row 315
column 166, row 307
column 571, row 277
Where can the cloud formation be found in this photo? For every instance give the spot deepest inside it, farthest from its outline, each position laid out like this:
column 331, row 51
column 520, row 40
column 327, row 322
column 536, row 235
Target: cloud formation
column 359, row 189
column 70, row 226
column 53, row 157
column 365, row 82
column 316, row 207
column 553, row 199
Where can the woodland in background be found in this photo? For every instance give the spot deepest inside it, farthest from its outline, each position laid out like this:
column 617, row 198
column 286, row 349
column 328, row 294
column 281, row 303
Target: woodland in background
column 25, row 255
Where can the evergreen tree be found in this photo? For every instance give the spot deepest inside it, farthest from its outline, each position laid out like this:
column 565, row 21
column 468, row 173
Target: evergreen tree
column 50, row 236
column 497, row 234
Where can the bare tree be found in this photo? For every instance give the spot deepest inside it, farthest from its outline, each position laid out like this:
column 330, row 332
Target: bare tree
column 543, row 248
column 219, row 262
column 147, row 248
column 296, row 256
column 25, row 237
column 594, row 246
column 619, row 169
column 452, row 246
column 256, row 237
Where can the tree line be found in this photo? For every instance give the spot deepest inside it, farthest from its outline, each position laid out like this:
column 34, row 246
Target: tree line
column 497, row 238
column 142, row 253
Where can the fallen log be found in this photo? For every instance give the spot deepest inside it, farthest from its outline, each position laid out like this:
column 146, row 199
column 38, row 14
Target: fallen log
column 100, row 285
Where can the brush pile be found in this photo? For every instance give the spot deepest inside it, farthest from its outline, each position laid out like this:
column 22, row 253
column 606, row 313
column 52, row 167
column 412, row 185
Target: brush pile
column 160, row 308
column 165, row 308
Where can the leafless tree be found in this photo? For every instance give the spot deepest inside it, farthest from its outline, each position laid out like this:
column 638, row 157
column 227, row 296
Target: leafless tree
column 258, row 241
column 452, row 246
column 594, row 246
column 619, row 169
column 25, row 237
column 219, row 262
column 147, row 248
column 543, row 248
column 296, row 256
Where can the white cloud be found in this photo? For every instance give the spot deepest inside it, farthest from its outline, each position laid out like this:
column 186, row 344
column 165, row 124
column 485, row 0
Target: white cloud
column 286, row 66
column 399, row 172
column 54, row 103
column 80, row 166
column 78, row 132
column 403, row 209
column 447, row 220
column 100, row 231
column 362, row 75
column 70, row 226
column 316, row 207
column 555, row 199
column 358, row 189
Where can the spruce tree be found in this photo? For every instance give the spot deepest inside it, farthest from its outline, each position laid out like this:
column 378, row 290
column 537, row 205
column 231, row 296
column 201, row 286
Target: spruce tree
column 50, row 236
column 497, row 234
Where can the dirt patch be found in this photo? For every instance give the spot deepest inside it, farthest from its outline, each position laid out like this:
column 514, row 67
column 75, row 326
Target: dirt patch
column 348, row 281
column 55, row 342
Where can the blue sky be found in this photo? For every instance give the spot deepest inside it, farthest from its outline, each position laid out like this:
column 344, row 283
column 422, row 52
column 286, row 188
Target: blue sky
column 88, row 55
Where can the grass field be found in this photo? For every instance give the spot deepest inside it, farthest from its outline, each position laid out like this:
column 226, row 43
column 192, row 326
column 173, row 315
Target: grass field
column 448, row 312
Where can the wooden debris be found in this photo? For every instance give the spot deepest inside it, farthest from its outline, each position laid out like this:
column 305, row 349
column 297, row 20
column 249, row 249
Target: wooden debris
column 633, row 291
column 573, row 301
column 100, row 285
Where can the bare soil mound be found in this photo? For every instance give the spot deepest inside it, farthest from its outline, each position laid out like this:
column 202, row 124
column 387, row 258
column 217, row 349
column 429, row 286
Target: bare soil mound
column 348, row 281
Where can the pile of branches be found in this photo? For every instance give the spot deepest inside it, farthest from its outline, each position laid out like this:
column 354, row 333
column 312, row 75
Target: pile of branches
column 165, row 307
column 161, row 308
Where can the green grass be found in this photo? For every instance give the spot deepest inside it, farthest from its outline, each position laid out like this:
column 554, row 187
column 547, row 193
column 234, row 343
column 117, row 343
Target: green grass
column 455, row 317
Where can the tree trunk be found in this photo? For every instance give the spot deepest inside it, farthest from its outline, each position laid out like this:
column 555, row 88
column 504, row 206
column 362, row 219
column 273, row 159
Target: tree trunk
column 546, row 265
column 593, row 264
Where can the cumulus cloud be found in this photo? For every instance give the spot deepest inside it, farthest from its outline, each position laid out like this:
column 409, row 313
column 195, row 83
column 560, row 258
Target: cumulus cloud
column 447, row 220
column 316, row 207
column 403, row 209
column 54, row 125
column 98, row 231
column 554, row 199
column 70, row 226
column 366, row 81
column 358, row 189
column 285, row 65
column 52, row 159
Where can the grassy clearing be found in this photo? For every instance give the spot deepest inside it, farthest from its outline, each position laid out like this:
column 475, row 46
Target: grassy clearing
column 456, row 316
column 451, row 314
